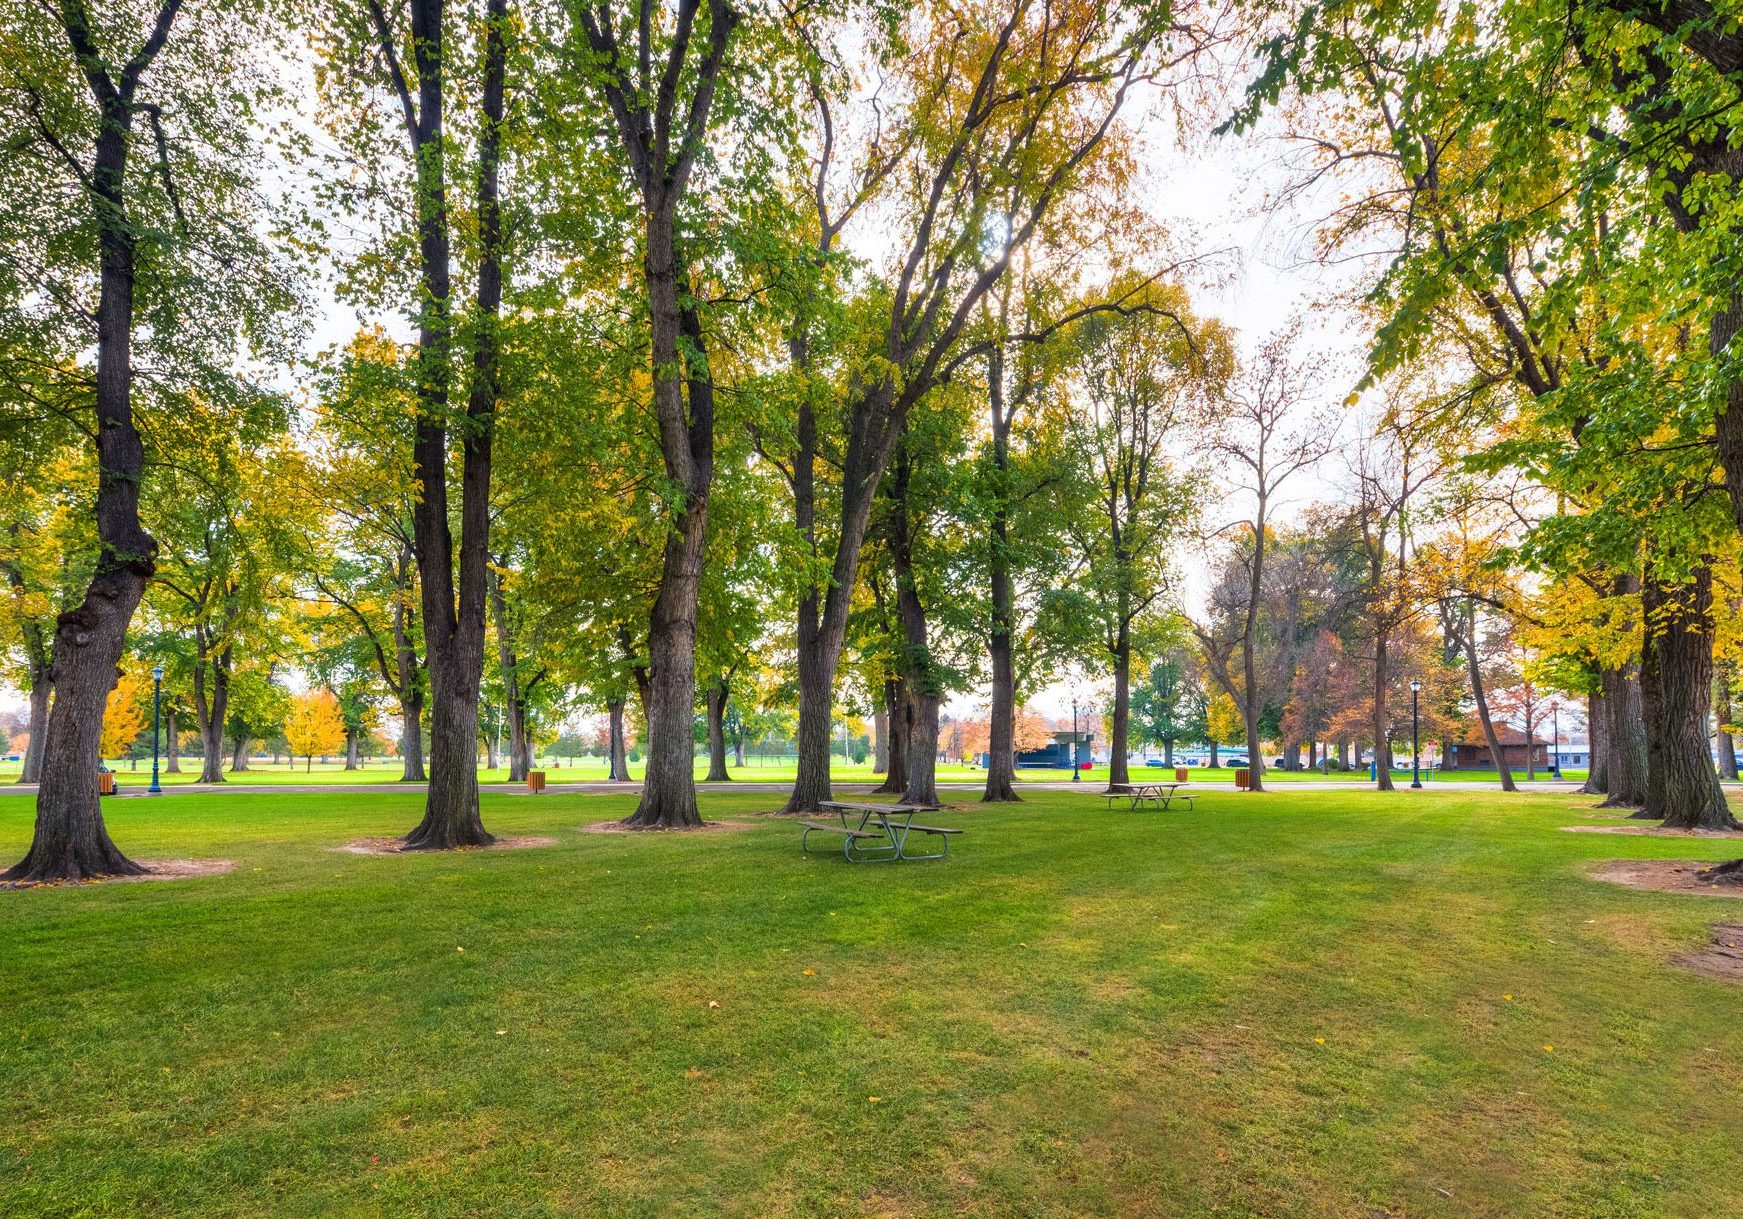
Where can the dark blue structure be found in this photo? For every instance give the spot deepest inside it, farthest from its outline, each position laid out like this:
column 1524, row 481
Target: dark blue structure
column 1058, row 755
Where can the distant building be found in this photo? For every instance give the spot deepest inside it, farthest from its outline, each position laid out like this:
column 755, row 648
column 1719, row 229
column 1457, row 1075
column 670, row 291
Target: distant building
column 1475, row 755
column 1057, row 756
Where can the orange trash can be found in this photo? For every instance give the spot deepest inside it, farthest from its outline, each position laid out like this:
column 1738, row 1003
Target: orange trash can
column 1243, row 780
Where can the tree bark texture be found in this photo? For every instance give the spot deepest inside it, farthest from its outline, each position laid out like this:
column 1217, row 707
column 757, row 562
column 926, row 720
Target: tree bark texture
column 1722, row 713
column 1597, row 748
column 898, row 713
column 513, row 695
column 920, row 676
column 1001, row 769
column 1120, row 727
column 1480, row 696
column 1676, row 686
column 619, row 755
column 718, row 692
column 1381, row 720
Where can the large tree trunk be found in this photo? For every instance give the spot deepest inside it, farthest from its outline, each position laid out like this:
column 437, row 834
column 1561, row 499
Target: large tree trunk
column 619, row 766
column 1381, row 720
column 411, row 732
column 898, row 713
column 920, row 676
column 172, row 742
column 1122, row 716
column 1252, row 699
column 211, row 706
column 1597, row 752
column 239, row 753
column 1624, row 738
column 1676, row 686
column 454, row 617
column 1726, row 742
column 70, row 841
column 880, row 741
column 513, row 697
column 411, row 685
column 817, row 658
column 41, row 696
column 1480, row 696
column 353, row 746
column 1001, row 736
column 921, row 748
column 717, row 695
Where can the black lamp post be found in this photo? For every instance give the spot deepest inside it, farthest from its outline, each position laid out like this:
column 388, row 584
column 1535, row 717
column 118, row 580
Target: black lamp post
column 156, row 788
column 1076, row 773
column 1555, row 732
column 1415, row 741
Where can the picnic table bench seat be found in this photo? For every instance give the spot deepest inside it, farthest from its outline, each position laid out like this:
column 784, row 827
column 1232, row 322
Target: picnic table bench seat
column 1159, row 795
column 882, row 832
column 841, row 829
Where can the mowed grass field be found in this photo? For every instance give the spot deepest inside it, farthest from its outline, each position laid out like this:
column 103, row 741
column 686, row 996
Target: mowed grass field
column 1303, row 1003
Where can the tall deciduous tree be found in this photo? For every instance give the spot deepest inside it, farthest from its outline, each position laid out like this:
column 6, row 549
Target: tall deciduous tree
column 663, row 121
column 1146, row 380
column 453, row 581
column 131, row 198
column 1263, row 436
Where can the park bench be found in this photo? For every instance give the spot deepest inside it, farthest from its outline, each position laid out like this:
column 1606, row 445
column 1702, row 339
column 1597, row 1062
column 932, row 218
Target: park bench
column 1146, row 795
column 881, row 832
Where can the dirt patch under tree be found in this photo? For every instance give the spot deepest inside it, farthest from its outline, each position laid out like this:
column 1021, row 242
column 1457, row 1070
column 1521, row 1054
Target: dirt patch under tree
column 396, row 846
column 1675, row 875
column 618, row 827
column 155, row 869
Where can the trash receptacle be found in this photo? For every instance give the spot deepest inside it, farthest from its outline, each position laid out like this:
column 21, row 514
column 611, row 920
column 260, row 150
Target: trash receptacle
column 105, row 783
column 535, row 780
column 1243, row 780
column 1373, row 772
column 1180, row 774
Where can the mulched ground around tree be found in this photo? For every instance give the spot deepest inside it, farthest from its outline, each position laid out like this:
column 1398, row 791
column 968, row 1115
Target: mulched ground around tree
column 396, row 846
column 1674, row 876
column 618, row 827
column 1722, row 959
column 156, row 869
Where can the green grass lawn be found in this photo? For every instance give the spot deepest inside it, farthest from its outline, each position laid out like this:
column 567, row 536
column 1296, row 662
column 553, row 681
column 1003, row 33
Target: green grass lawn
column 1282, row 1005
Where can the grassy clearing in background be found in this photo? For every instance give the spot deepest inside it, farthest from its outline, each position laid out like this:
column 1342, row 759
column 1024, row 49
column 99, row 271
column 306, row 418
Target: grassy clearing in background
column 1303, row 1003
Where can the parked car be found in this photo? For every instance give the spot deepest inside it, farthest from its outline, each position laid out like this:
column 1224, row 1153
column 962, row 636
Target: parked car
column 1154, row 762
column 1237, row 760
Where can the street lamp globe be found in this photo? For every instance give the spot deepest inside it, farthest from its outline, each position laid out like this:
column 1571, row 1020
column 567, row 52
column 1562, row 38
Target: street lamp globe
column 157, row 672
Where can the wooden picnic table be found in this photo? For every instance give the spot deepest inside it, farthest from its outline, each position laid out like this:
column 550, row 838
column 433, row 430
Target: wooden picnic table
column 1152, row 794
column 880, row 834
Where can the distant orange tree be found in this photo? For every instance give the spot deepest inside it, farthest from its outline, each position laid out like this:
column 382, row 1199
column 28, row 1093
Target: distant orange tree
column 314, row 725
